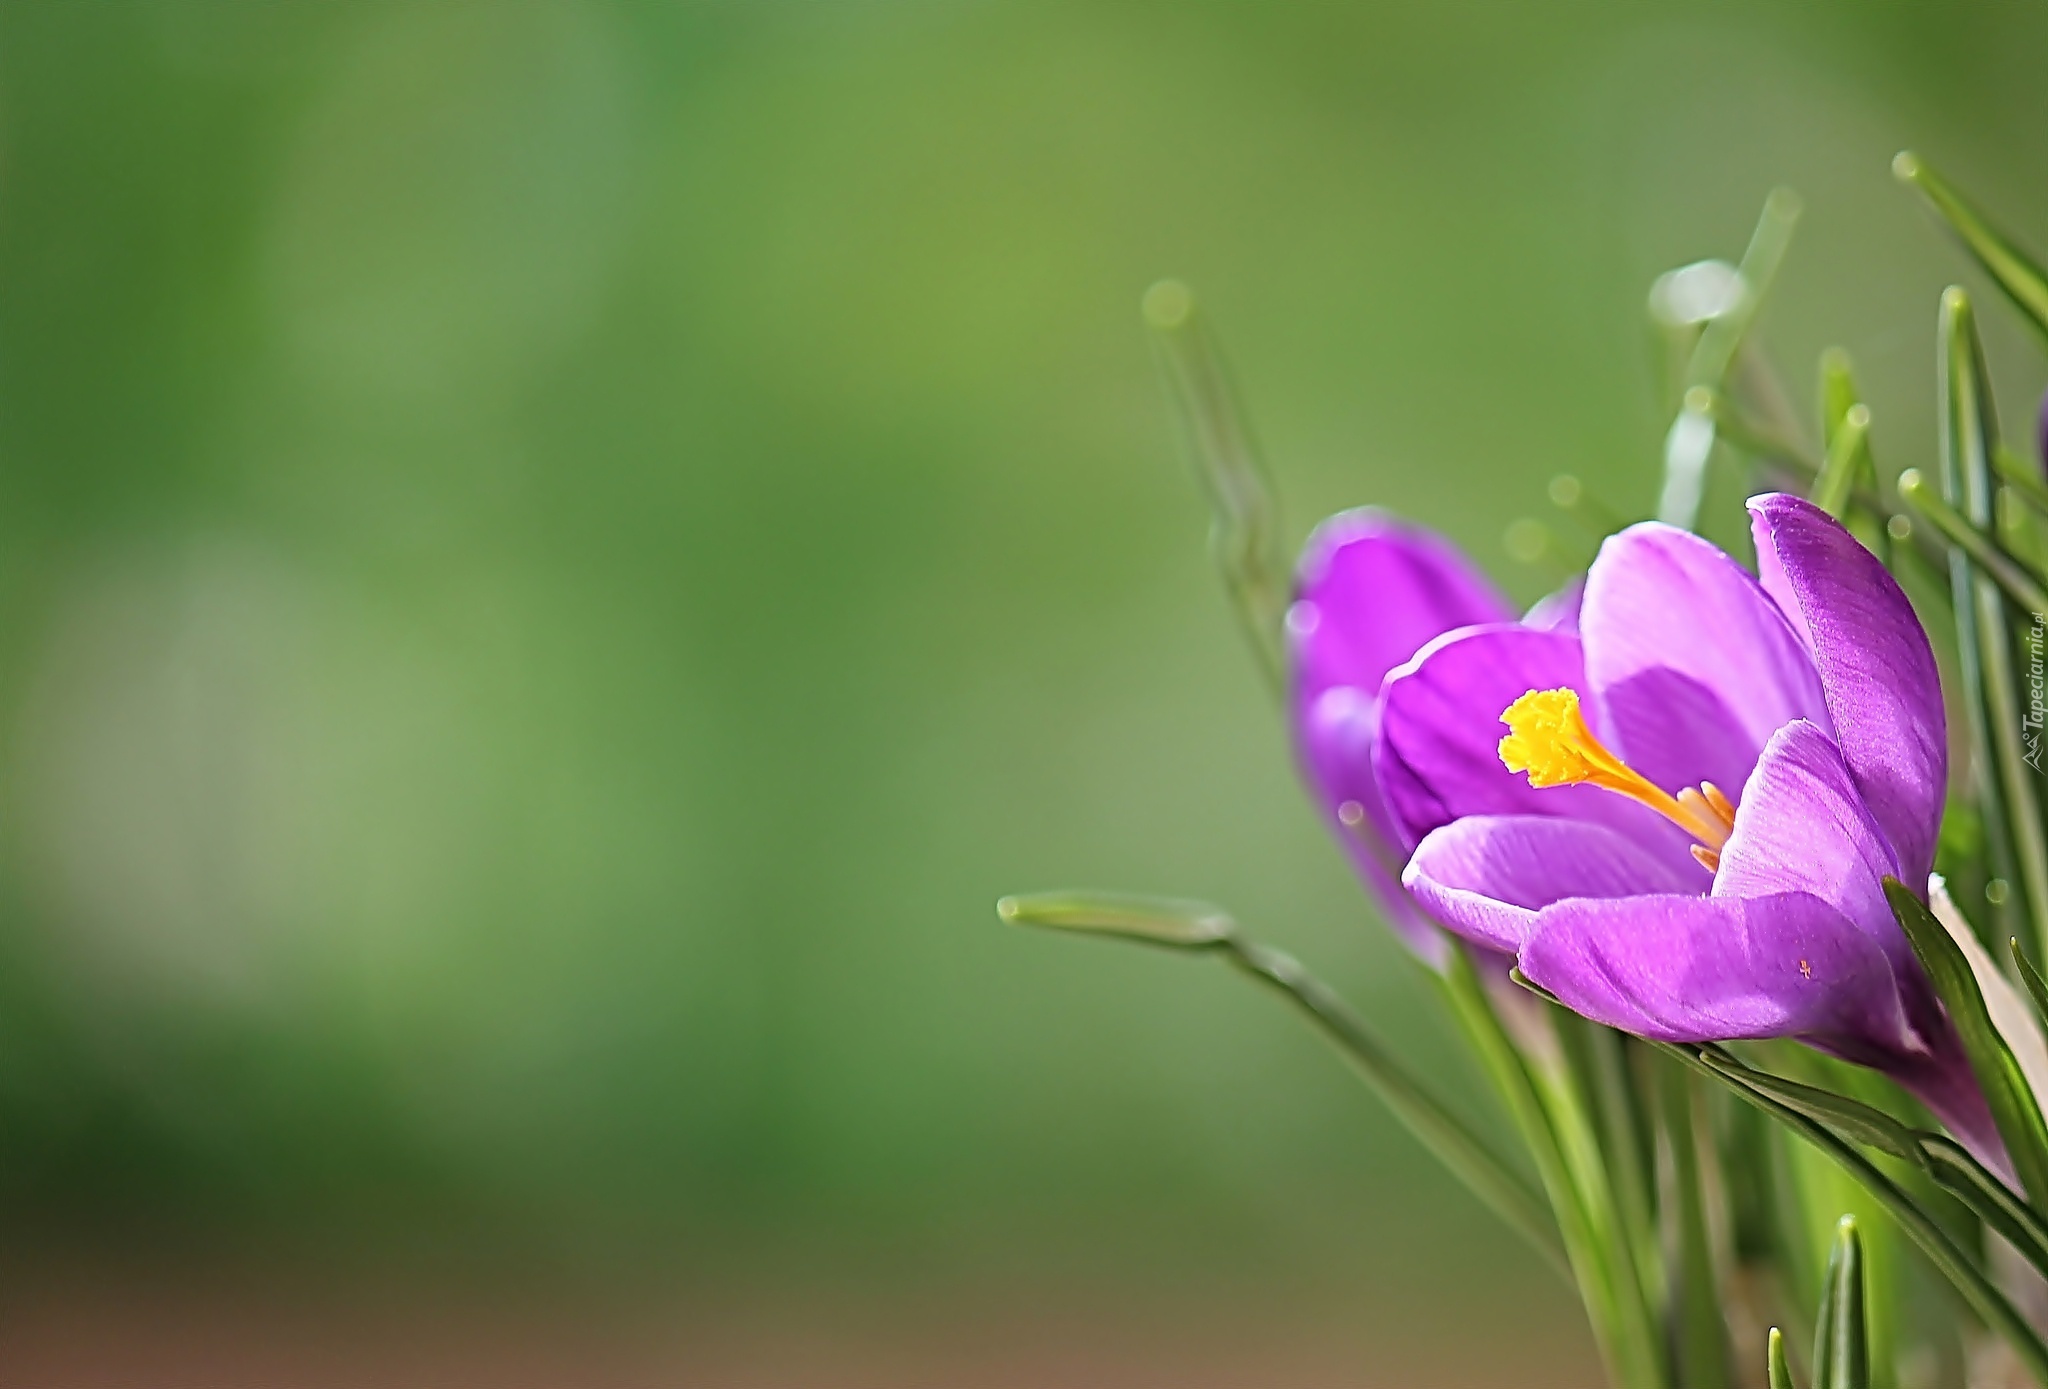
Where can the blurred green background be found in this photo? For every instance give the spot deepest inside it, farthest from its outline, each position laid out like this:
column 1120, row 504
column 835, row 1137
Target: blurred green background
column 556, row 558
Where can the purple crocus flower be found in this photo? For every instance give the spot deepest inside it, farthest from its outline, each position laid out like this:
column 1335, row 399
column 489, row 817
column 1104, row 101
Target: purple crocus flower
column 1705, row 777
column 1373, row 589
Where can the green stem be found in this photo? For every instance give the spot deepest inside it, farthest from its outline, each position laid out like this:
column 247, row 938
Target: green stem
column 1568, row 1162
column 1978, row 1291
column 1443, row 1133
column 1981, row 550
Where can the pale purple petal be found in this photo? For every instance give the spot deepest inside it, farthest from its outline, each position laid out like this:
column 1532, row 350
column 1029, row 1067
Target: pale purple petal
column 1438, row 758
column 1876, row 669
column 1486, row 876
column 1334, row 734
column 1370, row 591
column 1559, row 611
column 1803, row 827
column 1697, row 969
column 1691, row 663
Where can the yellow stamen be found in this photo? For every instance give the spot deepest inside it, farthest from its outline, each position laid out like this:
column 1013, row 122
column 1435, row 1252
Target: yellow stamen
column 1548, row 739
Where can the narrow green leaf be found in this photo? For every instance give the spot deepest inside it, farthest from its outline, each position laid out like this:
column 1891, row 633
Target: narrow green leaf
column 2020, row 475
column 1941, row 1251
column 1852, row 1118
column 1982, row 550
column 2015, row 271
column 1689, row 444
column 1244, row 538
column 1700, row 1333
column 1540, row 1100
column 1841, row 1346
column 1725, row 331
column 1847, row 461
column 1780, row 1372
column 2005, row 1088
column 2037, row 988
column 1168, row 921
column 1990, row 1199
column 1969, row 442
column 1197, row 926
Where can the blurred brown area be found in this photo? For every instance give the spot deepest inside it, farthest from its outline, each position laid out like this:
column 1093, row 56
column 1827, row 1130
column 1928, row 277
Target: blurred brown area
column 100, row 1328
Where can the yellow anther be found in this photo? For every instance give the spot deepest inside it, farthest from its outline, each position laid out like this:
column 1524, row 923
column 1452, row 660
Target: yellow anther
column 1548, row 739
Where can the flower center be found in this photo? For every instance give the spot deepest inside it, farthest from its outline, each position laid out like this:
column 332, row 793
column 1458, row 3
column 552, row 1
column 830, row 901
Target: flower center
column 1548, row 739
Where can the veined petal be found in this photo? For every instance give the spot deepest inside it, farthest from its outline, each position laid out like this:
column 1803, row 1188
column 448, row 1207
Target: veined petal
column 1691, row 663
column 1437, row 754
column 1875, row 665
column 1699, row 969
column 1487, row 876
column 1370, row 591
column 1804, row 827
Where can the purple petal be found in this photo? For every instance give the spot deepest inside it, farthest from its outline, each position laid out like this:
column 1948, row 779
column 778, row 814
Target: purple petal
column 1335, row 733
column 1803, row 827
column 1487, row 876
column 1437, row 755
column 1692, row 663
column 1559, row 611
column 1698, row 969
column 1876, row 669
column 1370, row 591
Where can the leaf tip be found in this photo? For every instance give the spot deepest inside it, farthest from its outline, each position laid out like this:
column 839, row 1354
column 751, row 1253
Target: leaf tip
column 1168, row 305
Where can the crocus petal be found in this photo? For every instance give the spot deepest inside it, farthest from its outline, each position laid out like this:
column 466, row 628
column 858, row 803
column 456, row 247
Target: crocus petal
column 1803, row 827
column 1437, row 755
column 1487, row 876
column 1698, row 969
column 1370, row 591
column 1691, row 662
column 1876, row 669
column 1334, row 734
column 1559, row 611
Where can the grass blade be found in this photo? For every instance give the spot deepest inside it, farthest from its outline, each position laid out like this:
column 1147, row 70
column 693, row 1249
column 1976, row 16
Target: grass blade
column 1969, row 441
column 1969, row 1281
column 1568, row 1161
column 1981, row 550
column 1780, row 1373
column 1841, row 1344
column 1244, row 536
column 1200, row 928
column 2005, row 1087
column 2016, row 272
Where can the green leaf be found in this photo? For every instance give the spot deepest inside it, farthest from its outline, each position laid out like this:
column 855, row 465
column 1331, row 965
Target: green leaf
column 1198, row 926
column 1858, row 1121
column 2037, row 988
column 2015, row 271
column 1700, row 1331
column 1982, row 550
column 1969, row 442
column 1542, row 1099
column 1689, row 444
column 1244, row 537
column 1182, row 925
column 1841, row 1346
column 2005, row 1088
column 1989, row 1198
column 1780, row 1372
column 1948, row 1259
